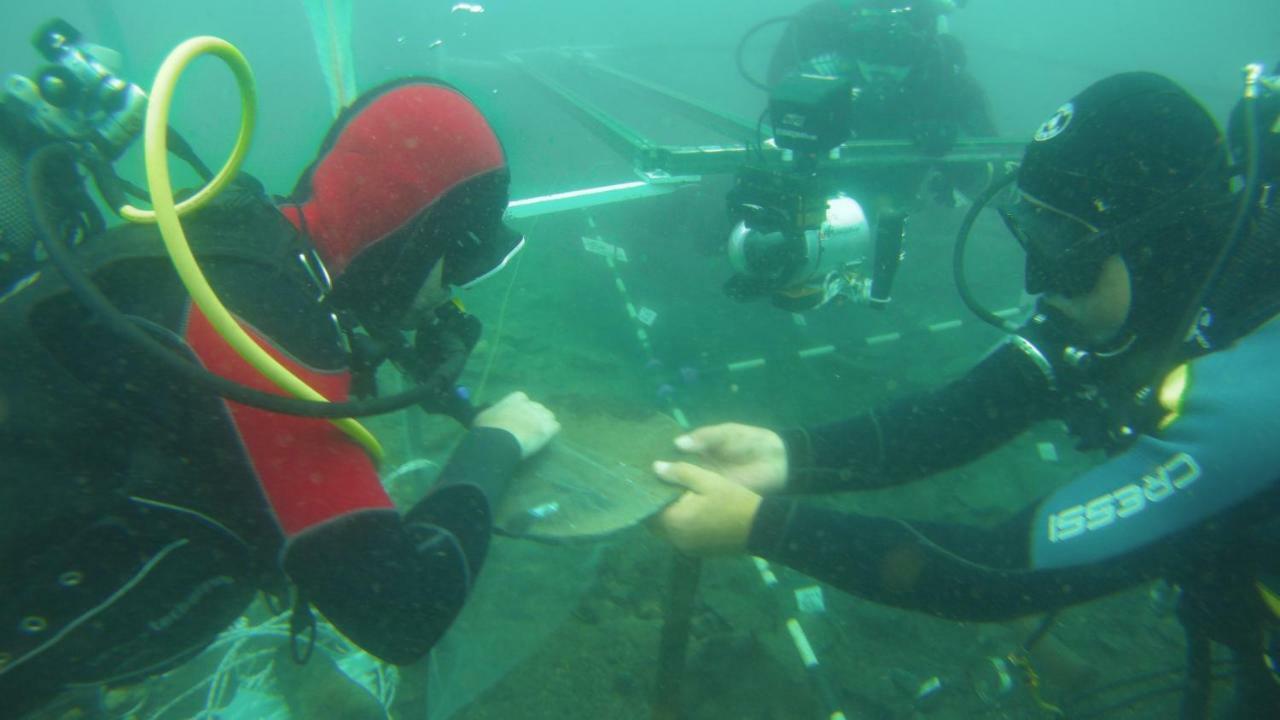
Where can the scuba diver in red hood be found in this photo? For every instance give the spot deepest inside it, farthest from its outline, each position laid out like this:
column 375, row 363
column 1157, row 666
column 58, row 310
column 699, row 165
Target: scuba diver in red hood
column 145, row 506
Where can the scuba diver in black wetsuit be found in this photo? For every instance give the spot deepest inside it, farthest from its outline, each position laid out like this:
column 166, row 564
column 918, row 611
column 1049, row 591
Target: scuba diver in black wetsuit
column 1155, row 338
column 860, row 70
column 909, row 78
column 140, row 510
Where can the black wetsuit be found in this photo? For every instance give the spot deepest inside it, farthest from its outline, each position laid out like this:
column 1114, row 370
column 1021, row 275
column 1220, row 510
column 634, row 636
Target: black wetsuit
column 936, row 102
column 139, row 516
column 1196, row 501
column 937, row 91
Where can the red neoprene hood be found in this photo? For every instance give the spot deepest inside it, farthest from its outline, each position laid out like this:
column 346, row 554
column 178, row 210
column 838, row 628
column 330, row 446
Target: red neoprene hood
column 387, row 161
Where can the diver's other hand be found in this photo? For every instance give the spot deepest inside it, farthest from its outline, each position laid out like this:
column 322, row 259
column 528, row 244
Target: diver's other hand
column 532, row 424
column 753, row 457
column 713, row 518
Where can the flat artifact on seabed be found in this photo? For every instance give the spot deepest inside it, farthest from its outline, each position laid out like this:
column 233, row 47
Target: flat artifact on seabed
column 593, row 480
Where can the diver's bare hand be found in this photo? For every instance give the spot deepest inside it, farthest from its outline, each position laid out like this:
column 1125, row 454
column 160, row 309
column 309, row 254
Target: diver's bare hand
column 713, row 517
column 753, row 457
column 532, row 424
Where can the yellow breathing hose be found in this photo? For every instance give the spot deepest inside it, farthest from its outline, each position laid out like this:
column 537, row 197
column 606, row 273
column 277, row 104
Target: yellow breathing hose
column 166, row 215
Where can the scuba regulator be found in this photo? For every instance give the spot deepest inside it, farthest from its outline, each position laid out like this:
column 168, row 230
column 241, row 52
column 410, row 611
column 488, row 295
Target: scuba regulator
column 441, row 345
column 78, row 100
column 79, row 97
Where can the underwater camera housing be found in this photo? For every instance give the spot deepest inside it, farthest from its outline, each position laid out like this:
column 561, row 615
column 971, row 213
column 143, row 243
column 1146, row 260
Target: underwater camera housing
column 78, row 97
column 795, row 236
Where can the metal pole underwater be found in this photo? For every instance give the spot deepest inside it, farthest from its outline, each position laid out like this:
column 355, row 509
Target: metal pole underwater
column 686, row 572
column 673, row 645
column 682, row 583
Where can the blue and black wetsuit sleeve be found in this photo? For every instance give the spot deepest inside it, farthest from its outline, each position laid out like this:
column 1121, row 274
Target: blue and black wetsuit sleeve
column 915, row 437
column 952, row 571
column 1204, row 489
column 975, row 574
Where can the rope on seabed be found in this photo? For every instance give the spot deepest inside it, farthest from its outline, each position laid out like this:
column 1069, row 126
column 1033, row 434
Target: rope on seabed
column 386, row 679
column 408, row 467
column 496, row 343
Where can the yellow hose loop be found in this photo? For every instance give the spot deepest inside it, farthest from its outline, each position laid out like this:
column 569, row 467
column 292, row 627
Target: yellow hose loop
column 155, row 137
column 166, row 215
